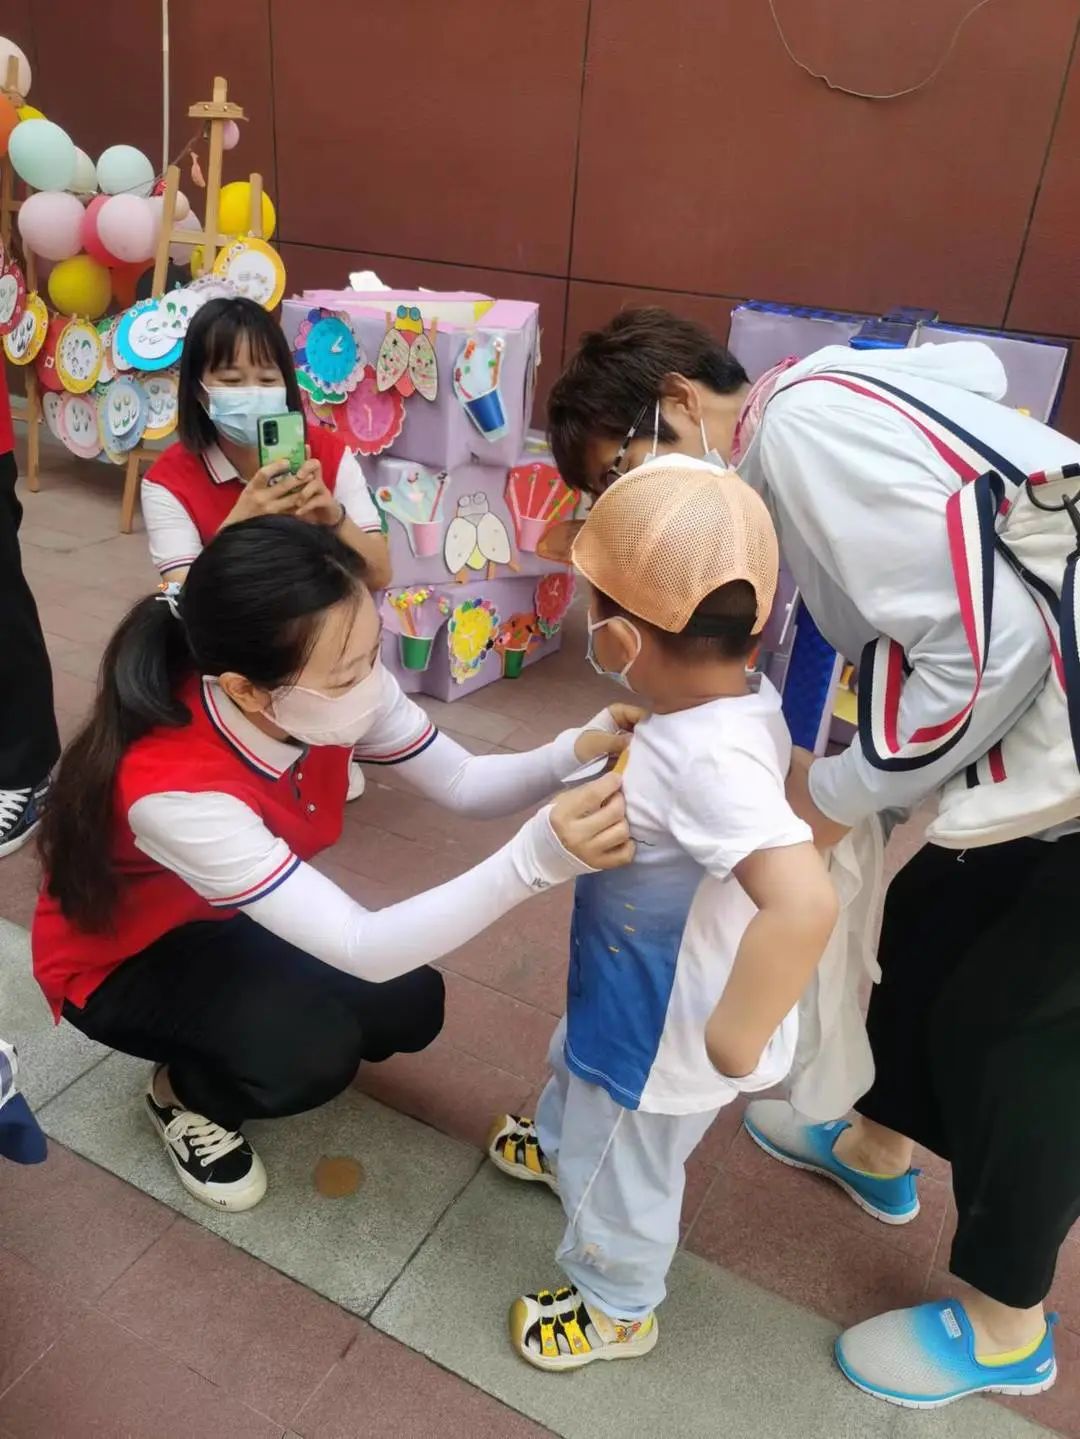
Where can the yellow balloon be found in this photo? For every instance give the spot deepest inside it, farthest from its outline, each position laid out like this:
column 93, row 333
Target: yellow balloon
column 234, row 210
column 80, row 286
column 29, row 112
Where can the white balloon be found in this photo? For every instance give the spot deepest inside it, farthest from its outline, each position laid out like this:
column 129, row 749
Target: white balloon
column 24, row 76
column 85, row 181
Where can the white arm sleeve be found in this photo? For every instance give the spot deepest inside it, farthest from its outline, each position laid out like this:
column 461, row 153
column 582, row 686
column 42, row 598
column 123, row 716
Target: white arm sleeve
column 350, row 487
column 482, row 786
column 174, row 540
column 222, row 849
column 862, row 492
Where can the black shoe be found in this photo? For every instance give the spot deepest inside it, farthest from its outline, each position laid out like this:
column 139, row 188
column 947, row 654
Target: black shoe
column 20, row 815
column 214, row 1164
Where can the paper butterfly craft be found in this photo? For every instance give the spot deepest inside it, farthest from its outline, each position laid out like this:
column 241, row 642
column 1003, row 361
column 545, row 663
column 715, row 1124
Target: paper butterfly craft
column 476, row 537
column 330, row 359
column 407, row 360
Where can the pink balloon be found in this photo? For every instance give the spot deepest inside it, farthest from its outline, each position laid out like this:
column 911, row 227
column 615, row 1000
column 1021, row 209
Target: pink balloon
column 230, row 135
column 127, row 226
column 50, row 224
column 91, row 240
column 179, row 251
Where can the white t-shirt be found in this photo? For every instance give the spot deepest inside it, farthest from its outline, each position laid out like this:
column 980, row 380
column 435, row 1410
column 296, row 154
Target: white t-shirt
column 652, row 945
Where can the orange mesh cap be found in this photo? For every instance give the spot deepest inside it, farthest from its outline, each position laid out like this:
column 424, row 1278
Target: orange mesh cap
column 663, row 537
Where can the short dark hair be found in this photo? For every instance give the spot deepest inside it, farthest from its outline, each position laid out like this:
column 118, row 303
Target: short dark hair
column 622, row 367
column 212, row 340
column 722, row 626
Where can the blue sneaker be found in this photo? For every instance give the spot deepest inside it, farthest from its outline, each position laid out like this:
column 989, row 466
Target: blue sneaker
column 775, row 1127
column 924, row 1357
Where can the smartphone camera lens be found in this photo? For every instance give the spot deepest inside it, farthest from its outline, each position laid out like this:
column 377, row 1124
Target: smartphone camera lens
column 270, row 430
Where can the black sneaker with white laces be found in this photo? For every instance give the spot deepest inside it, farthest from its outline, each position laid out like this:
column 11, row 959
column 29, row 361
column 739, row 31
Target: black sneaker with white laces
column 20, row 815
column 214, row 1164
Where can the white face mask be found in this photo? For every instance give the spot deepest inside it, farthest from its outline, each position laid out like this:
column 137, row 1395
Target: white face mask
column 619, row 676
column 709, row 454
column 318, row 719
column 235, row 410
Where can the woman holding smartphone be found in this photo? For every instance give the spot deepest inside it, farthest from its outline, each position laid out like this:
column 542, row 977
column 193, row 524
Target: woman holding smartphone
column 198, row 935
column 235, row 370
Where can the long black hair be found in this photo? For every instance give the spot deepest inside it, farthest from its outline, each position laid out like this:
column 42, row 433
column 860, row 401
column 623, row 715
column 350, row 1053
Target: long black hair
column 211, row 343
column 252, row 604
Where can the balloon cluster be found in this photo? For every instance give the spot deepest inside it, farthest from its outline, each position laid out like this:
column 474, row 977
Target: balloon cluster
column 98, row 224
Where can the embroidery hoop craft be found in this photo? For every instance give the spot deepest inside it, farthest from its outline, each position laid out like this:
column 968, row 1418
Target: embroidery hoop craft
column 370, row 420
column 329, row 356
column 476, row 538
column 255, row 268
column 537, row 495
column 476, row 384
column 144, row 339
column 12, row 297
column 106, row 330
column 414, row 498
column 407, row 361
column 23, row 341
column 50, row 408
column 79, row 356
column 162, row 401
column 470, row 634
column 122, row 415
column 79, row 426
column 551, row 600
column 514, row 639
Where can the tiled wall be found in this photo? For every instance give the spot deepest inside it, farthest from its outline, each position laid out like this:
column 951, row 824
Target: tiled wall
column 589, row 152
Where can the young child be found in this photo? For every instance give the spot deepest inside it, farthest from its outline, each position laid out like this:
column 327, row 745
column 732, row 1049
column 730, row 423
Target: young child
column 685, row 966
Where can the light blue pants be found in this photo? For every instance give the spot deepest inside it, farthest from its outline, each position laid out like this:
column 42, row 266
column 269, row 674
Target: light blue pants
column 621, row 1179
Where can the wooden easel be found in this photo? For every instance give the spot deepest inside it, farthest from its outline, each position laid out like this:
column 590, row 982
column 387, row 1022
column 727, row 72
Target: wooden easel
column 215, row 113
column 9, row 208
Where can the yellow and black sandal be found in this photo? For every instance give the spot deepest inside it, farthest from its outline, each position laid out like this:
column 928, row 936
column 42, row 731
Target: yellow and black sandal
column 557, row 1330
column 513, row 1147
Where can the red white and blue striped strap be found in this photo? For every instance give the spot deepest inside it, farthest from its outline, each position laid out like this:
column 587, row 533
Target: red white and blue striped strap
column 970, row 515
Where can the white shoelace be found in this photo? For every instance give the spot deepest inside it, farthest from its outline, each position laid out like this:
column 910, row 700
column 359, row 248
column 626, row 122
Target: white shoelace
column 208, row 1141
column 12, row 804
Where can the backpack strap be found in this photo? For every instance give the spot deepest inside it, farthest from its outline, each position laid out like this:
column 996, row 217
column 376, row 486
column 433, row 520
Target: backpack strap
column 988, row 484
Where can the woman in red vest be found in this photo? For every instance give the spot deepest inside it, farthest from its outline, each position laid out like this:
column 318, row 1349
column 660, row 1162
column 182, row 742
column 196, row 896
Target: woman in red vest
column 235, row 368
column 200, row 937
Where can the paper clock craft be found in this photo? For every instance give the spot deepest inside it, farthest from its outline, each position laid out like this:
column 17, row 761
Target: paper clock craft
column 255, row 268
column 329, row 357
column 369, row 421
column 414, row 499
column 407, row 361
column 476, row 537
column 79, row 354
column 12, row 297
column 25, row 339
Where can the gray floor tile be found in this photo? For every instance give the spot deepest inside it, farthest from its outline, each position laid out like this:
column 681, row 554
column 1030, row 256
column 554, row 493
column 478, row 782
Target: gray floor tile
column 50, row 1057
column 732, row 1359
column 348, row 1249
column 966, row 1419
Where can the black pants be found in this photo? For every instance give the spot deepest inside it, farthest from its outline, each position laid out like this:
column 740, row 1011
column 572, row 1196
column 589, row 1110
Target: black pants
column 975, row 1029
column 250, row 1026
column 29, row 743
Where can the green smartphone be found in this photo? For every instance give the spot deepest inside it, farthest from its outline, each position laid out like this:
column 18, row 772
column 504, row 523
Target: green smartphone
column 281, row 437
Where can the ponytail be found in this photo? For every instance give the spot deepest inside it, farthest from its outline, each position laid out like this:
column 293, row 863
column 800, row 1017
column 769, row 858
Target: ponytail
column 144, row 662
column 252, row 604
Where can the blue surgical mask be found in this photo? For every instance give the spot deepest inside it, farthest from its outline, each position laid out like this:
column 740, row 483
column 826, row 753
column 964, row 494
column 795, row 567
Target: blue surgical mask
column 235, row 410
column 621, row 677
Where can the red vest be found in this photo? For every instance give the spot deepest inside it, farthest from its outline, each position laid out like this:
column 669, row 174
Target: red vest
column 7, row 432
column 304, row 806
column 208, row 501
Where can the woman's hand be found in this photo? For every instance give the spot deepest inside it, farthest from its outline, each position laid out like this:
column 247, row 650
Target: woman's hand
column 266, row 493
column 314, row 502
column 592, row 744
column 590, row 822
column 826, row 831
